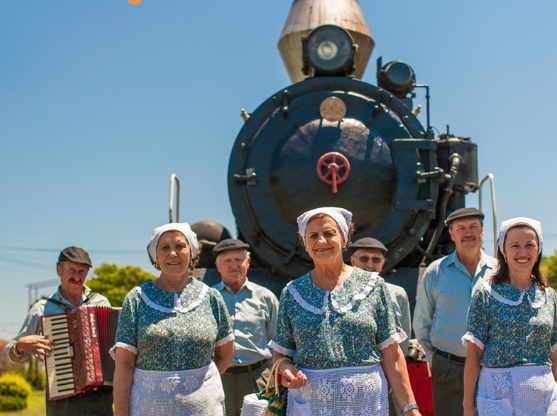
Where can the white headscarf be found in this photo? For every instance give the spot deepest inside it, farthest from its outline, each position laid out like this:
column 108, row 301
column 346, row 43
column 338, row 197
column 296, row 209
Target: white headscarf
column 183, row 227
column 341, row 216
column 506, row 225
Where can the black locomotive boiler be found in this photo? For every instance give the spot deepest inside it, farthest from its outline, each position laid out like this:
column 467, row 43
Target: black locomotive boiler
column 331, row 139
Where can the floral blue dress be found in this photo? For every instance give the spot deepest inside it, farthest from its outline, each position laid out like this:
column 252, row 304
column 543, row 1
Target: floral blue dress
column 513, row 328
column 336, row 338
column 341, row 328
column 517, row 332
column 174, row 336
column 186, row 326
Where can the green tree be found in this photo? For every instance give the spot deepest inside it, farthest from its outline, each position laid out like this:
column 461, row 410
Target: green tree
column 115, row 282
column 549, row 269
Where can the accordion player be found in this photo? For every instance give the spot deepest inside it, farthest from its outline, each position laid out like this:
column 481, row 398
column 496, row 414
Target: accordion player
column 80, row 361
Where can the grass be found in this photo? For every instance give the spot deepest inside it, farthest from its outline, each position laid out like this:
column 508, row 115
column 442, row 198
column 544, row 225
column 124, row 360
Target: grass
column 36, row 405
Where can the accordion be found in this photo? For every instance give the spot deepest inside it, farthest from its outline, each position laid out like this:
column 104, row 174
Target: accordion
column 80, row 360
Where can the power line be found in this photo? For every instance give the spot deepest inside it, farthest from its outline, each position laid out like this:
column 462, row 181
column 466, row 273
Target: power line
column 57, row 250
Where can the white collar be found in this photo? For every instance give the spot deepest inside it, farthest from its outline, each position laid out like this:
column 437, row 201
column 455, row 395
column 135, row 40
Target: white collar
column 507, row 301
column 334, row 305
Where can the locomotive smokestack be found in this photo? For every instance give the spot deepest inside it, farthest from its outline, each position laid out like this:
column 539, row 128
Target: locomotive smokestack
column 306, row 15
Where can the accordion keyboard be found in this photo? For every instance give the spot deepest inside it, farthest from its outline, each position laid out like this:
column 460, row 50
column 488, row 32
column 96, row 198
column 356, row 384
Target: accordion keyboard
column 61, row 381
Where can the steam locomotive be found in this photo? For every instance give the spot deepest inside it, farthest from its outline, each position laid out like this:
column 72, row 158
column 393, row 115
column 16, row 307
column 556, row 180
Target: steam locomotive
column 330, row 139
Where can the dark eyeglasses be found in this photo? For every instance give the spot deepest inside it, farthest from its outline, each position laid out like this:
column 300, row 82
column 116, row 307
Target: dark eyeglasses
column 365, row 259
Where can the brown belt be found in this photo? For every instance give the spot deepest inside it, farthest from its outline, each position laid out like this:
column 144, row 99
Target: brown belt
column 239, row 369
column 449, row 356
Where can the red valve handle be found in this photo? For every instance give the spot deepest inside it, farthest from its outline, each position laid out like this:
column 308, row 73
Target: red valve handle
column 333, row 168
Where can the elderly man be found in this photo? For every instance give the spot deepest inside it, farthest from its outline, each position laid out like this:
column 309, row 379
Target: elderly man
column 253, row 310
column 442, row 307
column 369, row 254
column 72, row 267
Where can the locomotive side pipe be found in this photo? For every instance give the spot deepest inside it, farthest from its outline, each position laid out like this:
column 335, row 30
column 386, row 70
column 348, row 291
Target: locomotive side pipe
column 455, row 164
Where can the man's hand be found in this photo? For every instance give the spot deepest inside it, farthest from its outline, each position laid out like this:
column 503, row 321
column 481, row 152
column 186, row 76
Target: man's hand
column 37, row 346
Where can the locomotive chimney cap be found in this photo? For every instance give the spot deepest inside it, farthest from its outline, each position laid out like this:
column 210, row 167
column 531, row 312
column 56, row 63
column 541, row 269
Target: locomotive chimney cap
column 229, row 244
column 306, row 15
column 463, row 213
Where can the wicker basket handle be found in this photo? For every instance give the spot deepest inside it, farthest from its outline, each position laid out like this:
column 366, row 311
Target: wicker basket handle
column 275, row 373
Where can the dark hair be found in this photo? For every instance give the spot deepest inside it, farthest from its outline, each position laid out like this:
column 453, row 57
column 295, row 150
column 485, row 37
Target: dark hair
column 351, row 229
column 502, row 273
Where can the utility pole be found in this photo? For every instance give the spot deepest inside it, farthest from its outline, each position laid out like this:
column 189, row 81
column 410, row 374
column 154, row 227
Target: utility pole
column 34, row 289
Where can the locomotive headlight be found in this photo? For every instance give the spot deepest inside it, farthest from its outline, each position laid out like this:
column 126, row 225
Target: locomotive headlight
column 328, row 50
column 397, row 77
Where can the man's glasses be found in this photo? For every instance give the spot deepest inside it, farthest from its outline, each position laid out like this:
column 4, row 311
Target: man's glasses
column 365, row 259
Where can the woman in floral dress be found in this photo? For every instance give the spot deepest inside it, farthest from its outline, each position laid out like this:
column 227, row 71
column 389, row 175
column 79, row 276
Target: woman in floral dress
column 512, row 332
column 339, row 327
column 174, row 336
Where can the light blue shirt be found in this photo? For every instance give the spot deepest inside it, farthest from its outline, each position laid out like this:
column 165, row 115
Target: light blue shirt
column 253, row 311
column 444, row 296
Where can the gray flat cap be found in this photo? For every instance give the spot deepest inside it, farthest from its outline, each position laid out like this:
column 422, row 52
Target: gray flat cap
column 368, row 243
column 229, row 244
column 463, row 213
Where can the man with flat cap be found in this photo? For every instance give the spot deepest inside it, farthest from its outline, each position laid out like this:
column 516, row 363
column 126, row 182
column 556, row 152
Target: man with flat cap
column 72, row 267
column 369, row 254
column 441, row 311
column 253, row 310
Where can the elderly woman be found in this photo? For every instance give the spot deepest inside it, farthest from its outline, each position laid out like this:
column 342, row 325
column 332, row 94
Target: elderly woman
column 339, row 326
column 512, row 332
column 174, row 336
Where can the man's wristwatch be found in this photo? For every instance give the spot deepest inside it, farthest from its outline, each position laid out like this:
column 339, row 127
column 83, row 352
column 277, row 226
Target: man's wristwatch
column 408, row 407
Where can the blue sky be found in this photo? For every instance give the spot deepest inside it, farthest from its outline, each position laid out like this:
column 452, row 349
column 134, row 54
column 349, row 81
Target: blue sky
column 100, row 101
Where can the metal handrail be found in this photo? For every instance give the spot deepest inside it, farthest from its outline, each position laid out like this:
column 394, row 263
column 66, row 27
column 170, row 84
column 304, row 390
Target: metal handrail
column 174, row 182
column 493, row 207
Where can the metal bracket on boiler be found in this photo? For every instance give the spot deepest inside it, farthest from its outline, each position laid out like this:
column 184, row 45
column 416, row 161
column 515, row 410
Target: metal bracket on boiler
column 437, row 174
column 248, row 178
column 284, row 101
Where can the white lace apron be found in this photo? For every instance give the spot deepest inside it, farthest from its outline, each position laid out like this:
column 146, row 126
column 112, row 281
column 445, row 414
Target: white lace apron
column 517, row 391
column 350, row 391
column 188, row 393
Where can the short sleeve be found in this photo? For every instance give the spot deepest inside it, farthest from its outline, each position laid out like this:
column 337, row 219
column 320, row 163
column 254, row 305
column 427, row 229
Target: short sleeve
column 478, row 318
column 283, row 341
column 224, row 323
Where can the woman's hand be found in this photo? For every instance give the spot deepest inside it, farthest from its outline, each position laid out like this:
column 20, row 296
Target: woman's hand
column 292, row 377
